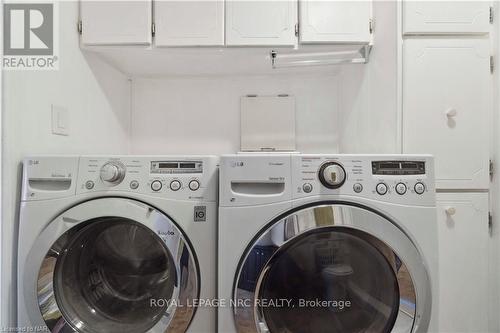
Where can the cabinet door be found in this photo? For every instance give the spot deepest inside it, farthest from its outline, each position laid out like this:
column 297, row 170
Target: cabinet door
column 450, row 17
column 116, row 22
column 335, row 21
column 447, row 98
column 463, row 262
column 261, row 22
column 189, row 23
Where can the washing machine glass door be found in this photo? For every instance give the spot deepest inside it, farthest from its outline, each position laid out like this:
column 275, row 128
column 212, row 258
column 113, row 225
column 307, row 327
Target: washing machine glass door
column 121, row 267
column 331, row 268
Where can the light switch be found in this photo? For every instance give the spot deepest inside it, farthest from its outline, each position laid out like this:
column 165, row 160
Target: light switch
column 60, row 120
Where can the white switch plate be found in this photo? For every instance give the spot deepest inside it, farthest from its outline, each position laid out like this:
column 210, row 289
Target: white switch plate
column 60, row 120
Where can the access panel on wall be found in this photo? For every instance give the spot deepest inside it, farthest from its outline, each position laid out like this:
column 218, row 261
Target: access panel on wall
column 447, row 98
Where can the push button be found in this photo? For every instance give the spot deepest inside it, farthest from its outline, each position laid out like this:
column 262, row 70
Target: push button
column 358, row 188
column 156, row 185
column 89, row 185
column 307, row 187
column 401, row 188
column 175, row 185
column 194, row 185
column 381, row 188
column 134, row 185
column 419, row 188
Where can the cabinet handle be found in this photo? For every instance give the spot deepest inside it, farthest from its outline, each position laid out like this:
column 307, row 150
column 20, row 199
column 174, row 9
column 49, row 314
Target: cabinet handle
column 450, row 211
column 451, row 113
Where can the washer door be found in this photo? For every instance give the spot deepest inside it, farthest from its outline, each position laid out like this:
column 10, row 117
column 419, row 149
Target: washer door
column 332, row 268
column 117, row 266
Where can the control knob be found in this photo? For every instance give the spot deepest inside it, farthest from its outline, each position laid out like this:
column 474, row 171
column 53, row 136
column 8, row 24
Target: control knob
column 332, row 175
column 112, row 173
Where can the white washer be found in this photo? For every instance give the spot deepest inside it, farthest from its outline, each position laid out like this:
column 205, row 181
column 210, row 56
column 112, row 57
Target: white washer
column 118, row 244
column 327, row 243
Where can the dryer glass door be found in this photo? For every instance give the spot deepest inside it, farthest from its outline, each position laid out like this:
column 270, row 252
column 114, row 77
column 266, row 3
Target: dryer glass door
column 329, row 268
column 117, row 274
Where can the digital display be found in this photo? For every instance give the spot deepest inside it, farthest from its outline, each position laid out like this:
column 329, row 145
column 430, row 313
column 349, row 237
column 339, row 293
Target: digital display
column 389, row 165
column 409, row 165
column 176, row 167
column 168, row 165
column 398, row 168
column 188, row 165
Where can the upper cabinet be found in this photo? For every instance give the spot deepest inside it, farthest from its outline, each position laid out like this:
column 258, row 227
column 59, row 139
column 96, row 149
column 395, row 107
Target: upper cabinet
column 218, row 23
column 325, row 32
column 189, row 23
column 446, row 17
column 116, row 22
column 261, row 23
column 447, row 104
column 335, row 21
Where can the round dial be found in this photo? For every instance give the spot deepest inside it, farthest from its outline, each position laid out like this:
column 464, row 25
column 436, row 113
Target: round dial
column 332, row 175
column 112, row 172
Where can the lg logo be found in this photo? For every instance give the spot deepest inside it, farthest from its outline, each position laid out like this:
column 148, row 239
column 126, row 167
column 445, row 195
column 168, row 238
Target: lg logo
column 237, row 164
column 200, row 213
column 28, row 29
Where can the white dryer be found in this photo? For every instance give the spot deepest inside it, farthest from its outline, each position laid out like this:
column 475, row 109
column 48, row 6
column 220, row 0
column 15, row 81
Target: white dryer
column 118, row 244
column 327, row 243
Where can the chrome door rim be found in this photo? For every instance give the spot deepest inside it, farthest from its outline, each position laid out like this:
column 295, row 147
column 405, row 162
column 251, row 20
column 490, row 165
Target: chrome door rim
column 398, row 242
column 146, row 215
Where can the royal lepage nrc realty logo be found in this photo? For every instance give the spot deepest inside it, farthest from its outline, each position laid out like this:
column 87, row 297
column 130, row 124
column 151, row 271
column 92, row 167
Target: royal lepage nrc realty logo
column 29, row 40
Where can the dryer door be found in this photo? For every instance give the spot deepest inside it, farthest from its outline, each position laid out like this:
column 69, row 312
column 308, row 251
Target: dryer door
column 332, row 268
column 114, row 265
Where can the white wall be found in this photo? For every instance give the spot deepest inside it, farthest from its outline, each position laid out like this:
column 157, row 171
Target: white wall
column 201, row 115
column 97, row 97
column 368, row 116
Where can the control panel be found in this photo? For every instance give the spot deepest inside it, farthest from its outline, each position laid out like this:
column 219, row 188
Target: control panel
column 172, row 177
column 177, row 177
column 404, row 179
